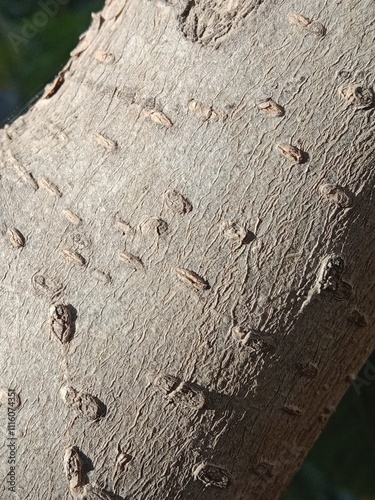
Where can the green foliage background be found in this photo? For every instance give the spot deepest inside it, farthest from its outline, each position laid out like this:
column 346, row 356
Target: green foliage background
column 27, row 70
column 341, row 464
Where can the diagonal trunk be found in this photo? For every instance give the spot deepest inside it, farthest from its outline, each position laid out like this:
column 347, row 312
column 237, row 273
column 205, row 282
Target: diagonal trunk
column 187, row 265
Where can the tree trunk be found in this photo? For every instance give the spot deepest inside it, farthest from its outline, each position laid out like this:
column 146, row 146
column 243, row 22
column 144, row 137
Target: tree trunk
column 187, row 269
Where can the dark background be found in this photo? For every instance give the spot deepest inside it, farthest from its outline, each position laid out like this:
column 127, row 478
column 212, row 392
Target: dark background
column 27, row 66
column 341, row 466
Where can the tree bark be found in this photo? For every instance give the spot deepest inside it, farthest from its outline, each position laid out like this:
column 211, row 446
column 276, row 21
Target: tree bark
column 187, row 272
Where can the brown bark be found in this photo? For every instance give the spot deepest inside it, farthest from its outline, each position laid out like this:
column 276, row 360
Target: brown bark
column 188, row 228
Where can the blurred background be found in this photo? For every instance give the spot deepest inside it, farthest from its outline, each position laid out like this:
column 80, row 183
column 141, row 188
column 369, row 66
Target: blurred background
column 36, row 38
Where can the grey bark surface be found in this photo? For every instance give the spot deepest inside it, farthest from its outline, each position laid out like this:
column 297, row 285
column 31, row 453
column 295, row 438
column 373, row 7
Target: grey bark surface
column 187, row 271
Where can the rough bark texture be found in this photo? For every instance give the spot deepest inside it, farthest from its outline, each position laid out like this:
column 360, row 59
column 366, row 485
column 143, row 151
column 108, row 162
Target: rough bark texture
column 187, row 271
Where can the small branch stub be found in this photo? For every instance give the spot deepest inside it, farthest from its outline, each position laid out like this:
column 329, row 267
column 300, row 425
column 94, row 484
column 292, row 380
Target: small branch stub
column 79, row 240
column 26, row 176
column 212, row 475
column 357, row 95
column 57, row 84
column 263, row 469
column 178, row 391
column 101, row 276
column 104, row 57
column 131, row 259
column 123, row 226
column 316, row 28
column 313, row 27
column 193, row 279
column 62, row 323
column 74, row 257
column 50, row 187
column 252, row 340
column 307, row 369
column 45, row 284
column 358, row 318
column 177, row 203
column 75, row 470
column 92, row 492
column 188, row 395
column 236, row 232
column 106, row 143
column 239, row 334
column 331, row 271
column 16, row 237
column 201, row 111
column 336, row 195
column 292, row 410
column 71, row 217
column 330, row 278
column 164, row 382
column 87, row 405
column 9, row 398
column 298, row 19
column 291, row 153
column 154, row 226
column 158, row 117
column 270, row 108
